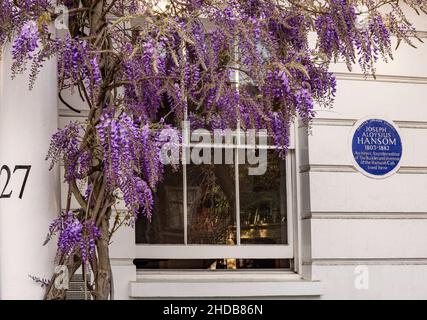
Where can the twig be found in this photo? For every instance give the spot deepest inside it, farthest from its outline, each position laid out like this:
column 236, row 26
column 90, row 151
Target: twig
column 66, row 104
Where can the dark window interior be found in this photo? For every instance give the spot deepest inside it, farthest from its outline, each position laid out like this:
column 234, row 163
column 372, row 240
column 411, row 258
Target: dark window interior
column 212, row 264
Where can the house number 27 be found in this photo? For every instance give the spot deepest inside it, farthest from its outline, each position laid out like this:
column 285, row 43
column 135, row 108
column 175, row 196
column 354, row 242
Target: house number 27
column 5, row 171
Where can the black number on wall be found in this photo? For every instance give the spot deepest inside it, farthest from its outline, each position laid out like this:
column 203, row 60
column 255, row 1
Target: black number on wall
column 3, row 195
column 27, row 168
column 9, row 174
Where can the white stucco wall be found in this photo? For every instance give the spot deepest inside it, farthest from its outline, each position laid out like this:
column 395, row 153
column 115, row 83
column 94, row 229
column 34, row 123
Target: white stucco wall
column 27, row 121
column 350, row 219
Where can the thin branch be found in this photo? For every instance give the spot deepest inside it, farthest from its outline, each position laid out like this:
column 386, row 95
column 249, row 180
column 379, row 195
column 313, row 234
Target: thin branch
column 77, row 194
column 108, row 9
column 67, row 104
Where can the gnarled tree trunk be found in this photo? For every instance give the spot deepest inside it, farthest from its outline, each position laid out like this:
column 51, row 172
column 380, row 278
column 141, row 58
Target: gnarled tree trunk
column 103, row 276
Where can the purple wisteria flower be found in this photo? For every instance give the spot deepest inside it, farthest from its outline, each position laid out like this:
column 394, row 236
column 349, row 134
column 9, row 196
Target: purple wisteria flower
column 44, row 283
column 65, row 146
column 75, row 236
column 131, row 161
column 77, row 64
column 24, row 46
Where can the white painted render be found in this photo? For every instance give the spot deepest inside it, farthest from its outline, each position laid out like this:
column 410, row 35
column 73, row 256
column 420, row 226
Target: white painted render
column 27, row 121
column 350, row 220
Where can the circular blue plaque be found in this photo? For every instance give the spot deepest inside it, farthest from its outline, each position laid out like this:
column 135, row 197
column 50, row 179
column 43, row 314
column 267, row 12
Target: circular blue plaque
column 377, row 148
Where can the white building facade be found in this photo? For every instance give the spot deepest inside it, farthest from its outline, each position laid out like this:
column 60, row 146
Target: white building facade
column 338, row 234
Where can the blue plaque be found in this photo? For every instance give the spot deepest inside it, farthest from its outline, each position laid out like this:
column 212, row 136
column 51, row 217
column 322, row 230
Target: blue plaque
column 376, row 148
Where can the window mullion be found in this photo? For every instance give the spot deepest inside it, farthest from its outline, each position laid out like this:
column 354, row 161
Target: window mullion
column 186, row 143
column 236, row 158
column 236, row 177
column 185, row 211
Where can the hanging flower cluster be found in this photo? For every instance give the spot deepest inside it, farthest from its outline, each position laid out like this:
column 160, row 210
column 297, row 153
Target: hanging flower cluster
column 131, row 160
column 24, row 46
column 77, row 64
column 65, row 146
column 342, row 36
column 44, row 283
column 75, row 236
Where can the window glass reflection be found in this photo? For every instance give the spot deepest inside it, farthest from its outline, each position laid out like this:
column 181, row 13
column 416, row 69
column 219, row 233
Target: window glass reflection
column 211, row 204
column 167, row 225
column 263, row 203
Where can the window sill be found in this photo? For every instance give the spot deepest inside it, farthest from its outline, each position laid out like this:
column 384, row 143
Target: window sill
column 220, row 284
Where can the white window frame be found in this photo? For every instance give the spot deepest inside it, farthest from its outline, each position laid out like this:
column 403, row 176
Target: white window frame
column 237, row 251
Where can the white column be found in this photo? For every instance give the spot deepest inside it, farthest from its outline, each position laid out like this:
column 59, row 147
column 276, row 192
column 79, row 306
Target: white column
column 27, row 121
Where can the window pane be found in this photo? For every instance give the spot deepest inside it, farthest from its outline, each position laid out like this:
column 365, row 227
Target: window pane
column 167, row 225
column 211, row 204
column 263, row 203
